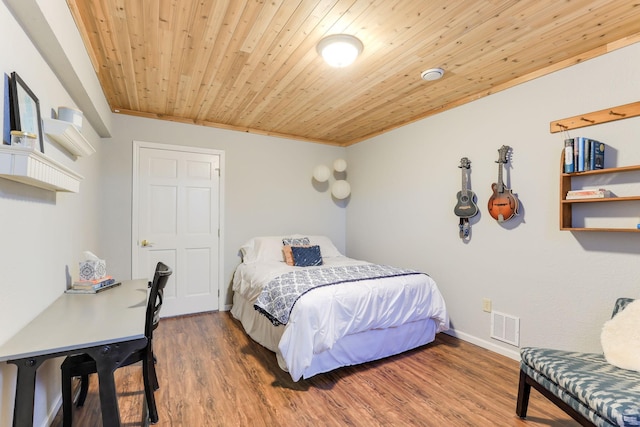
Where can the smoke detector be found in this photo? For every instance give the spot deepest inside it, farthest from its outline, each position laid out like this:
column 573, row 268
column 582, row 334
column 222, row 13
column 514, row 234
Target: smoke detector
column 432, row 74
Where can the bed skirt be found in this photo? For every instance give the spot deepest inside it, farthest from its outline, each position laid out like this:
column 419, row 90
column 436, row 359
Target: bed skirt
column 350, row 350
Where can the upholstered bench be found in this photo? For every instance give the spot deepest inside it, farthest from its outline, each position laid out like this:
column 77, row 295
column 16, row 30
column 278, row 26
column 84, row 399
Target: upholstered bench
column 584, row 385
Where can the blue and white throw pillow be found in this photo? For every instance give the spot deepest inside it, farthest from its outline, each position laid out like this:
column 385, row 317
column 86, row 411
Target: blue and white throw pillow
column 295, row 241
column 306, row 256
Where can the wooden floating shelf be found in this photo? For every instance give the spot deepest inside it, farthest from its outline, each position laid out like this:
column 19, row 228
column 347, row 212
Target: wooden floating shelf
column 597, row 117
column 566, row 211
column 601, row 171
column 67, row 135
column 34, row 168
column 604, row 199
column 625, row 230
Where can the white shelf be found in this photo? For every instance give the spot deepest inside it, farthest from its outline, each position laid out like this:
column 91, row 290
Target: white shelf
column 33, row 168
column 67, row 135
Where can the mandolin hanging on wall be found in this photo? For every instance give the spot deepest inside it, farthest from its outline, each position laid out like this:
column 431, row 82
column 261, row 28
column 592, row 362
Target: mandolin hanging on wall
column 503, row 205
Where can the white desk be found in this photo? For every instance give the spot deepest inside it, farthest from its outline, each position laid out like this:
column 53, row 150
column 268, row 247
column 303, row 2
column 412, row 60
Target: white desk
column 108, row 326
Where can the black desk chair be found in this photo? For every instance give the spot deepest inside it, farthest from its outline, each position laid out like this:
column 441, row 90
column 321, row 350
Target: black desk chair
column 81, row 365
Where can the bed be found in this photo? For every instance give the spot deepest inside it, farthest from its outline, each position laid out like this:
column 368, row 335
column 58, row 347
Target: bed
column 355, row 312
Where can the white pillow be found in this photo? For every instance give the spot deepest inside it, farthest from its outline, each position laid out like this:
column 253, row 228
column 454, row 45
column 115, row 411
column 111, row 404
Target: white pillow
column 265, row 248
column 269, row 248
column 620, row 338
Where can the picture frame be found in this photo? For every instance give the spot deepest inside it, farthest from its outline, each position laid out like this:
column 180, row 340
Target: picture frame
column 6, row 118
column 25, row 109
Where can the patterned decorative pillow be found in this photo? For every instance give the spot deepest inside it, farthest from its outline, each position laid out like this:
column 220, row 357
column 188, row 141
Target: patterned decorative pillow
column 295, row 241
column 306, row 256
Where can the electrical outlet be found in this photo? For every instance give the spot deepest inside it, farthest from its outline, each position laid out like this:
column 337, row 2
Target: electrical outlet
column 486, row 305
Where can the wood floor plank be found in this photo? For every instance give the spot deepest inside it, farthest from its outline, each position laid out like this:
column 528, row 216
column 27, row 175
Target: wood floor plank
column 212, row 374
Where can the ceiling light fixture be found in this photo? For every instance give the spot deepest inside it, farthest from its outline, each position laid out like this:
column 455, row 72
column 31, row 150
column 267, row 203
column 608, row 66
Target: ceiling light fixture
column 432, row 74
column 340, row 50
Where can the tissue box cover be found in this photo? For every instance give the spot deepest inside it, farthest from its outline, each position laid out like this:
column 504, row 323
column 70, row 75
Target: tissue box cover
column 92, row 270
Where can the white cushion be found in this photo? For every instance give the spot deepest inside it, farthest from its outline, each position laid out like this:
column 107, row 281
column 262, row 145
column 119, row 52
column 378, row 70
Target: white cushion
column 264, row 248
column 620, row 338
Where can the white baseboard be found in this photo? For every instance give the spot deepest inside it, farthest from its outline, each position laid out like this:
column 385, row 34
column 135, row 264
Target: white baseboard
column 54, row 411
column 512, row 354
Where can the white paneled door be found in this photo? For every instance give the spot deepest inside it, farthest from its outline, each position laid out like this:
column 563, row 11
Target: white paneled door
column 177, row 221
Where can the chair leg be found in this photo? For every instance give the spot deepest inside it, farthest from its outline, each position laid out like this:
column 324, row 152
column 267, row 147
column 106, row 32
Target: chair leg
column 524, row 390
column 67, row 399
column 148, row 374
column 152, row 371
column 84, row 389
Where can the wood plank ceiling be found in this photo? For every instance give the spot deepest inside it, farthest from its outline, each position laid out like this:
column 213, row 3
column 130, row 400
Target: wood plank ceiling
column 252, row 65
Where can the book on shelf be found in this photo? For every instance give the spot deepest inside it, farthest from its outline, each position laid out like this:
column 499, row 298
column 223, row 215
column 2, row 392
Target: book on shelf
column 588, row 194
column 596, row 157
column 580, row 144
column 74, row 290
column 569, row 164
column 93, row 284
column 575, row 154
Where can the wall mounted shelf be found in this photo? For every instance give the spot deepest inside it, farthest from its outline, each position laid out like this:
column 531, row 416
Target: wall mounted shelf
column 67, row 135
column 566, row 206
column 566, row 211
column 34, row 168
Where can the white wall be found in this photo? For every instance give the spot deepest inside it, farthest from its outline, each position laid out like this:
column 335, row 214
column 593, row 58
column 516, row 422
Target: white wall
column 268, row 187
column 43, row 233
column 268, row 191
column 561, row 284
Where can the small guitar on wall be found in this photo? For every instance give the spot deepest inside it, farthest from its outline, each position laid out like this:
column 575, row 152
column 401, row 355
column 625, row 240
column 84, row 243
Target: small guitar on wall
column 466, row 206
column 503, row 205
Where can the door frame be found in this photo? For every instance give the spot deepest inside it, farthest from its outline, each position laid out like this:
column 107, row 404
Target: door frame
column 137, row 145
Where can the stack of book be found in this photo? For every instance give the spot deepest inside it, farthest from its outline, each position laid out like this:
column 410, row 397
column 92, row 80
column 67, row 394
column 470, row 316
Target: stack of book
column 600, row 193
column 583, row 154
column 92, row 286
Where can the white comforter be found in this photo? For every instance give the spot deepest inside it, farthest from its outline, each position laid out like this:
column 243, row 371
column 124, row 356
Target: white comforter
column 326, row 314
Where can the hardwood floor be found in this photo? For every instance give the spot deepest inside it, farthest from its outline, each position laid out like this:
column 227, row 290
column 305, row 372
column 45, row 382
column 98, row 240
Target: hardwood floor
column 212, row 374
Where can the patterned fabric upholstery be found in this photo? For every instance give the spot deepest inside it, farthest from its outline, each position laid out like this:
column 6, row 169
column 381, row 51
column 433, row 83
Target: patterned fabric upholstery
column 620, row 304
column 603, row 393
column 295, row 241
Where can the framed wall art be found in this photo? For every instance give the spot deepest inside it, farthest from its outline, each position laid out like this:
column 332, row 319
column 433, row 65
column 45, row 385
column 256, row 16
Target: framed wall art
column 25, row 109
column 6, row 119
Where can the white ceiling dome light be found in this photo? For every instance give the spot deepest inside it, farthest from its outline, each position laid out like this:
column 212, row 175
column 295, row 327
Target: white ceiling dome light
column 432, row 74
column 340, row 50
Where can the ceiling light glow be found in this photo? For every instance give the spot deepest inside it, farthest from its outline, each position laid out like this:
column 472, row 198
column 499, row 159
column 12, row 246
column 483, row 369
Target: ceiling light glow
column 340, row 50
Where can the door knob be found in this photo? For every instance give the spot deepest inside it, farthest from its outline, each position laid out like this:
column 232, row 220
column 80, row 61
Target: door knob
column 145, row 243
